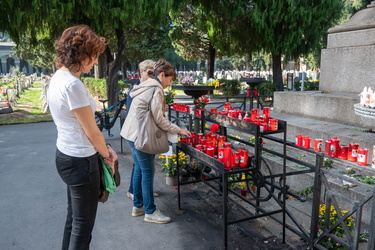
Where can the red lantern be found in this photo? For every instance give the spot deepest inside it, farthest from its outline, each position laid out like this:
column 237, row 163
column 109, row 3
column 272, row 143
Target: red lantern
column 318, row 145
column 299, row 140
column 353, row 151
column 362, row 158
column 227, row 155
column 244, row 158
column 306, row 142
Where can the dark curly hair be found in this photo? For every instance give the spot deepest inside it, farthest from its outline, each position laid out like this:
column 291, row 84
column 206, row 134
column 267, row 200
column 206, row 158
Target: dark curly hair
column 164, row 66
column 76, row 44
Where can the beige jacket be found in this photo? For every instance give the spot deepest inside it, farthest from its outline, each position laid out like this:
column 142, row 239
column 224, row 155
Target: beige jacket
column 141, row 95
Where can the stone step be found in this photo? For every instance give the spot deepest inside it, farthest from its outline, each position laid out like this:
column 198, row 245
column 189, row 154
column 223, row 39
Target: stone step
column 335, row 107
column 319, row 129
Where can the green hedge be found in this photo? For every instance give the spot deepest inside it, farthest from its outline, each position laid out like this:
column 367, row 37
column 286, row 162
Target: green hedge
column 308, row 85
column 230, row 87
column 266, row 88
column 98, row 87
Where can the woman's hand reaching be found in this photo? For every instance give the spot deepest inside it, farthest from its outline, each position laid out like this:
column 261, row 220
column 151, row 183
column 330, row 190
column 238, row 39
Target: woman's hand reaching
column 185, row 131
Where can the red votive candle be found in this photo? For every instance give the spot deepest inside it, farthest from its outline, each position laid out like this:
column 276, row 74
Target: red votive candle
column 318, row 145
column 183, row 139
column 235, row 159
column 194, row 138
column 211, row 151
column 266, row 112
column 335, row 147
column 273, row 124
column 343, row 152
column 199, row 147
column 220, row 154
column 299, row 140
column 254, row 113
column 244, row 158
column 353, row 151
column 362, row 158
column 328, row 147
column 222, row 139
column 306, row 142
column 227, row 155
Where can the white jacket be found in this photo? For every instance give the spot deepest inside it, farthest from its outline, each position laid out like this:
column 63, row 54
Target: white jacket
column 141, row 95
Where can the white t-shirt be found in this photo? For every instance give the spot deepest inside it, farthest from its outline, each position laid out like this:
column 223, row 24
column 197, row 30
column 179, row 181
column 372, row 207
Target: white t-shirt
column 66, row 93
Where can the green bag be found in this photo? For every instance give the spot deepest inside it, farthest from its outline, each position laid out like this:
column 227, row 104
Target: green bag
column 109, row 179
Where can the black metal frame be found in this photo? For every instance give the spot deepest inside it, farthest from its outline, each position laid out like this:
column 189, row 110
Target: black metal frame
column 323, row 193
column 220, row 181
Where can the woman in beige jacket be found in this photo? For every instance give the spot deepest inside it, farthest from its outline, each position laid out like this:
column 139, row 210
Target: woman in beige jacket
column 144, row 168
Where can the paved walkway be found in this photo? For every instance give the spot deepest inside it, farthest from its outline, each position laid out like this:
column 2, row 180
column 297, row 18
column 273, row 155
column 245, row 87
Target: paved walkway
column 33, row 204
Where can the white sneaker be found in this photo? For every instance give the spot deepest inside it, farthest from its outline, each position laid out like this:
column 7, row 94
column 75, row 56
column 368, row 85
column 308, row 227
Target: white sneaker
column 130, row 195
column 157, row 217
column 138, row 211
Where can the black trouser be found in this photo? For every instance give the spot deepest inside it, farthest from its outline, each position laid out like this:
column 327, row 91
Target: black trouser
column 82, row 178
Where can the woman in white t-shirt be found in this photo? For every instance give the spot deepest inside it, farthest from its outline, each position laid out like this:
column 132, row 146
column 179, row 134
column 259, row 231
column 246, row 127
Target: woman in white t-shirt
column 79, row 140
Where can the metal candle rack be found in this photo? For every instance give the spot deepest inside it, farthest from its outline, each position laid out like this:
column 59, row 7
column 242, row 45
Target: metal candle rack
column 257, row 172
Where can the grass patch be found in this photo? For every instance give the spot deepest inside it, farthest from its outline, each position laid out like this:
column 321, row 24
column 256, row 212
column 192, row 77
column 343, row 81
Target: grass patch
column 28, row 109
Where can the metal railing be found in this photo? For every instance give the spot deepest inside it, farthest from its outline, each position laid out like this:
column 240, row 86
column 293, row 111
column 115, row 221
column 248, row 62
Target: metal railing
column 327, row 188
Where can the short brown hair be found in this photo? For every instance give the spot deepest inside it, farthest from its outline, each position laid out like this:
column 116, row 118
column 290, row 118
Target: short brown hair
column 76, row 44
column 164, row 66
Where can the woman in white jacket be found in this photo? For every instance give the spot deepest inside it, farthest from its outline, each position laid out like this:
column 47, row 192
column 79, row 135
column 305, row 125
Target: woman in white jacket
column 144, row 168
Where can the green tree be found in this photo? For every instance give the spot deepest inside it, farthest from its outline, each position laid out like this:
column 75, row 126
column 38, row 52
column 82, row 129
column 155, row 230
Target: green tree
column 179, row 62
column 292, row 28
column 189, row 35
column 206, row 29
column 147, row 42
column 108, row 18
column 39, row 55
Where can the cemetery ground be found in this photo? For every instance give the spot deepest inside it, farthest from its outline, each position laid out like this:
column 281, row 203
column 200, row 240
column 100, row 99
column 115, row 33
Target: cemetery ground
column 28, row 107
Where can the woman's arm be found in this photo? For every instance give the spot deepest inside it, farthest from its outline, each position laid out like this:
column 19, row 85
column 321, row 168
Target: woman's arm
column 157, row 109
column 87, row 121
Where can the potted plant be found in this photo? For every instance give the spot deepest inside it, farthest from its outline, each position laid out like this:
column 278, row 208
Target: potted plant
column 170, row 95
column 169, row 166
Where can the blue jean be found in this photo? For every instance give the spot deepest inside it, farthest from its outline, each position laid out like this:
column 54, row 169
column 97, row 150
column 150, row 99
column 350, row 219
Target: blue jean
column 130, row 190
column 82, row 178
column 143, row 179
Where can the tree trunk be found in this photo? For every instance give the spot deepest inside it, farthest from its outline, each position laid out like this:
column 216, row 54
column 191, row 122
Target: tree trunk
column 114, row 66
column 277, row 72
column 211, row 61
column 102, row 66
column 124, row 70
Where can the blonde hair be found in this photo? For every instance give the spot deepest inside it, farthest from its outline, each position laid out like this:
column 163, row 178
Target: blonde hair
column 146, row 65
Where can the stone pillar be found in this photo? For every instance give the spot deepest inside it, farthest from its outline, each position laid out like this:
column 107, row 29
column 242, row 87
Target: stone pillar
column 348, row 63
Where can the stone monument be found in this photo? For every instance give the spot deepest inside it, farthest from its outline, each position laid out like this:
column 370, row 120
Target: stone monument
column 348, row 63
column 347, row 66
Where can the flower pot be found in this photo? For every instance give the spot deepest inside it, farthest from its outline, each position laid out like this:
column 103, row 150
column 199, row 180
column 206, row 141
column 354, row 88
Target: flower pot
column 171, row 180
column 196, row 90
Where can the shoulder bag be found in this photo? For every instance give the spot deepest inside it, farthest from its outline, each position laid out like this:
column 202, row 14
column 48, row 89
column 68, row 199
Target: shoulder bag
column 151, row 139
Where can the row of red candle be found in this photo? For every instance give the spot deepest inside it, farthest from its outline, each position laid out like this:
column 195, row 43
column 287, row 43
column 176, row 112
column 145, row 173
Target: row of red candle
column 181, row 107
column 264, row 121
column 351, row 152
column 216, row 146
